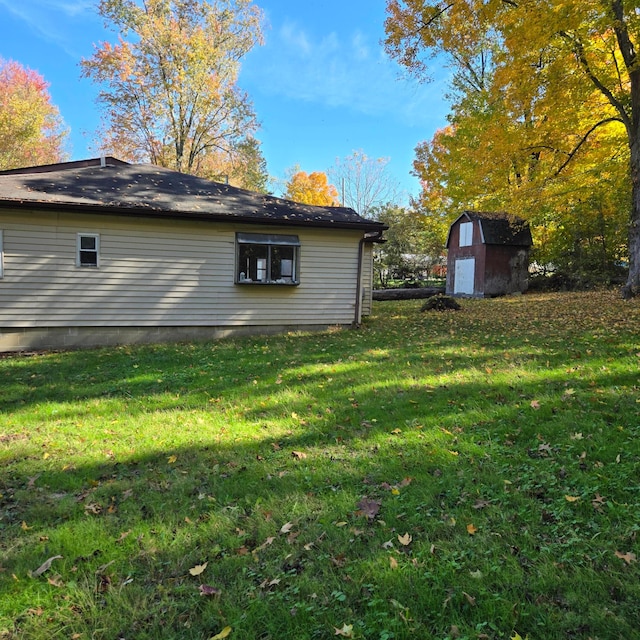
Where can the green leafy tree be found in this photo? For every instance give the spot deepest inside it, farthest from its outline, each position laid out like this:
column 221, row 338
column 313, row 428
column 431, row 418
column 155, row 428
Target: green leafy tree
column 414, row 247
column 169, row 86
column 245, row 167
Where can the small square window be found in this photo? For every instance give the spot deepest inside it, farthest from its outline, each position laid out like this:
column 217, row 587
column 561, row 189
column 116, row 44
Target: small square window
column 88, row 250
column 267, row 258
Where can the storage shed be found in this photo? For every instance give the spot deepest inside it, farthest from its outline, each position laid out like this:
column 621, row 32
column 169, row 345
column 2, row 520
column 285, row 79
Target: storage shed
column 102, row 252
column 488, row 255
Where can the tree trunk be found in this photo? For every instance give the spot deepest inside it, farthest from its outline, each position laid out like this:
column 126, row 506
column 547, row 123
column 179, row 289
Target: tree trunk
column 632, row 287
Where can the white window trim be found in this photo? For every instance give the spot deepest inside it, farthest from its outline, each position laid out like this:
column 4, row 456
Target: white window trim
column 1, row 255
column 466, row 234
column 79, row 237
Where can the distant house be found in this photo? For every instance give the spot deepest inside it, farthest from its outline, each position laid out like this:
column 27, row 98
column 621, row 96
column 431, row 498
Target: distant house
column 488, row 255
column 102, row 252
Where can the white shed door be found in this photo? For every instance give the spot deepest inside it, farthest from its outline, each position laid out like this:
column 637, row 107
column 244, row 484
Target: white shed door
column 464, row 276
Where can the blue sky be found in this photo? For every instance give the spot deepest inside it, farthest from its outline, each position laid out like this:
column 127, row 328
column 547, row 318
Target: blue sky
column 321, row 85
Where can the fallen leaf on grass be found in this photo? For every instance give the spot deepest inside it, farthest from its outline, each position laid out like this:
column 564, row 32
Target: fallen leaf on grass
column 572, row 498
column 471, row 529
column 339, row 561
column 172, row 459
column 223, row 634
column 299, row 455
column 369, row 508
column 286, row 528
column 208, row 590
column 535, row 404
column 628, row 557
column 470, row 599
column 123, row 535
column 56, row 581
column 345, row 632
column 198, row 569
column 405, row 540
column 393, row 563
column 45, row 566
column 264, row 545
column 93, row 508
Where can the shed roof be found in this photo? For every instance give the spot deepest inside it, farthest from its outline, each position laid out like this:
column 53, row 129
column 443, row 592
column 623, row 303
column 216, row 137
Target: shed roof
column 498, row 228
column 111, row 186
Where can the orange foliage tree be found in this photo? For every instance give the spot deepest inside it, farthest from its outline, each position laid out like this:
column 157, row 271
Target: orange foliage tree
column 31, row 129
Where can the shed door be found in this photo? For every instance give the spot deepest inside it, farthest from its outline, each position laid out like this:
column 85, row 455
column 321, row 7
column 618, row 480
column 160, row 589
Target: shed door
column 464, row 276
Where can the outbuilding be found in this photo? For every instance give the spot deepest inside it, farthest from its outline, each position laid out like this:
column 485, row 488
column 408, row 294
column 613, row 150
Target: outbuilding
column 488, row 255
column 102, row 252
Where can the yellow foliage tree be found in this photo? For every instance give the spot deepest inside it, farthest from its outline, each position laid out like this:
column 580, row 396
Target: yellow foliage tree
column 549, row 94
column 169, row 86
column 312, row 188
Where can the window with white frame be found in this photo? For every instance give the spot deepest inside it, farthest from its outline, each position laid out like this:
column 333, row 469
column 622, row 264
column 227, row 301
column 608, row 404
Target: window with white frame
column 1, row 255
column 266, row 258
column 466, row 234
column 88, row 250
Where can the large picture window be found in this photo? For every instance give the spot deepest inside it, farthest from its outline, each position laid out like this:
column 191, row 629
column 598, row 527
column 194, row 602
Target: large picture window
column 264, row 258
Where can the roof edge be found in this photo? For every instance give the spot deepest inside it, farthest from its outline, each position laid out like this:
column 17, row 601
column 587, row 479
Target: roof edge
column 368, row 225
column 102, row 161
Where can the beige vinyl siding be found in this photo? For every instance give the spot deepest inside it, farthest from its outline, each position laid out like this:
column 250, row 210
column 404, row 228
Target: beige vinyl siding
column 164, row 273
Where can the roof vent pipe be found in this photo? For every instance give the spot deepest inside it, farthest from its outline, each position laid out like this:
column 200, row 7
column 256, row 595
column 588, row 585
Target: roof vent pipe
column 103, row 160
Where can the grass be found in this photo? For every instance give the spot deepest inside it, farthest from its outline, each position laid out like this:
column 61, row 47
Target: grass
column 469, row 474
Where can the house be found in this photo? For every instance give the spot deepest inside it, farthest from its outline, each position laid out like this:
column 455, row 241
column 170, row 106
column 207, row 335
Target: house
column 488, row 255
column 102, row 252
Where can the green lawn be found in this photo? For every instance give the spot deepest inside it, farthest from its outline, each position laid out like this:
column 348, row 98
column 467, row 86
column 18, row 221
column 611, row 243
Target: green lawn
column 470, row 474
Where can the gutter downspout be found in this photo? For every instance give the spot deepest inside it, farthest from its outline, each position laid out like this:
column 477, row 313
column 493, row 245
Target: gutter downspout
column 374, row 237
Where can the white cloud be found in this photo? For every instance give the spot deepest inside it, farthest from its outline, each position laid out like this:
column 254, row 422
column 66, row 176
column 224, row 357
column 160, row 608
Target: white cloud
column 353, row 73
column 52, row 20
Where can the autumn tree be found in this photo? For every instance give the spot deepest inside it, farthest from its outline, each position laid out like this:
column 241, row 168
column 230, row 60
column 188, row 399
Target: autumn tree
column 169, row 86
column 31, row 129
column 565, row 73
column 311, row 188
column 363, row 182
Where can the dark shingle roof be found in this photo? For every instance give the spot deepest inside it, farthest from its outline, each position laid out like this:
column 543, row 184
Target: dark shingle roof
column 126, row 189
column 500, row 228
